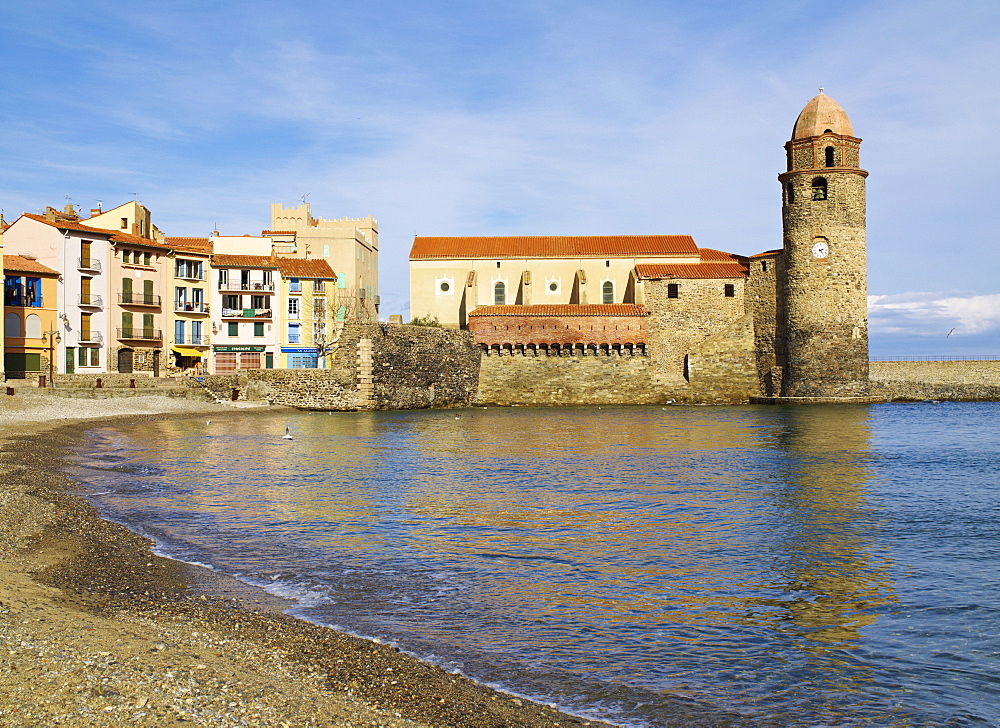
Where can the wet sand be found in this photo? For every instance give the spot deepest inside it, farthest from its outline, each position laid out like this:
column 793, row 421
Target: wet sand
column 97, row 631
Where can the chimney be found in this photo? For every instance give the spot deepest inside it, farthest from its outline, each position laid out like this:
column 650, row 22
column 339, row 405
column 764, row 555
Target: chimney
column 95, row 211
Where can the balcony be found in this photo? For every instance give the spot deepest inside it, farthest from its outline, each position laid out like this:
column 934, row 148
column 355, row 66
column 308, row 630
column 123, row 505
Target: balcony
column 138, row 299
column 252, row 286
column 91, row 337
column 185, row 307
column 192, row 341
column 139, row 334
column 88, row 264
column 86, row 299
column 21, row 299
column 246, row 313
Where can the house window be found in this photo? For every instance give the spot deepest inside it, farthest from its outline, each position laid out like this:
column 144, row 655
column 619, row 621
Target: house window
column 124, row 223
column 179, row 332
column 95, row 357
column 233, row 328
column 196, row 332
column 12, row 325
column 146, row 258
column 258, row 328
column 33, row 326
column 829, row 156
column 294, row 333
column 729, row 290
column 819, row 188
column 82, row 356
column 293, row 307
column 258, row 302
column 608, row 292
column 294, row 285
column 85, row 319
column 673, row 290
column 319, row 286
column 126, row 256
column 223, row 278
column 231, row 301
column 33, row 292
column 268, row 277
column 499, row 293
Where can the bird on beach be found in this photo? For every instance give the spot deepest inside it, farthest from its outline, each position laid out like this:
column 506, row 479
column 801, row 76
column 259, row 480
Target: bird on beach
column 288, row 434
column 208, row 422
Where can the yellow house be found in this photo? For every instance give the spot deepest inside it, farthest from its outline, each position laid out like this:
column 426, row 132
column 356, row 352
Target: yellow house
column 29, row 316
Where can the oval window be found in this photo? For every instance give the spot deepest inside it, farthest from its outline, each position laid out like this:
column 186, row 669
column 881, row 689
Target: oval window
column 445, row 286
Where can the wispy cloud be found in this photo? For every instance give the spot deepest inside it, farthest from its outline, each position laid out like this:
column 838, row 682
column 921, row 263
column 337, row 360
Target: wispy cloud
column 934, row 314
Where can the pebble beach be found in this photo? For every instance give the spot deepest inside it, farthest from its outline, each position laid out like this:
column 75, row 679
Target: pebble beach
column 96, row 630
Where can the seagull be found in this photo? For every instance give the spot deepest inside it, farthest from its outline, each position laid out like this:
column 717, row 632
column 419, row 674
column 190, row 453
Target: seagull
column 287, row 435
column 949, row 333
column 208, row 422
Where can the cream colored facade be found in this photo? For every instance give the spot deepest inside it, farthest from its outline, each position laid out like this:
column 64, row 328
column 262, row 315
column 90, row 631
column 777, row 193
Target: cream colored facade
column 349, row 245
column 449, row 289
column 130, row 218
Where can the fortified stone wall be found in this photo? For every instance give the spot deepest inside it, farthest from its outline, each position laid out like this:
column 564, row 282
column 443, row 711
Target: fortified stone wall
column 374, row 366
column 586, row 330
column 942, row 380
column 767, row 307
column 677, row 325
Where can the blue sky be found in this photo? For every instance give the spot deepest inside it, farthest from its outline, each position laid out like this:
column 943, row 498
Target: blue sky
column 545, row 117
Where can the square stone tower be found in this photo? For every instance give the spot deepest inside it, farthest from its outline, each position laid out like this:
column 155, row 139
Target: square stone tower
column 824, row 282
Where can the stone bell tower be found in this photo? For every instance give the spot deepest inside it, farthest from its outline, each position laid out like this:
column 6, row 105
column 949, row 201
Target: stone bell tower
column 825, row 280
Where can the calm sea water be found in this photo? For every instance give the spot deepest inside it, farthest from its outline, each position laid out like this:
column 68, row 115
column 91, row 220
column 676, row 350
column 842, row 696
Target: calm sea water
column 807, row 566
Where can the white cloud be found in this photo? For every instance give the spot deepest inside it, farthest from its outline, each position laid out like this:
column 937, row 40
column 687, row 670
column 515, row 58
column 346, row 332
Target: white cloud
column 934, row 314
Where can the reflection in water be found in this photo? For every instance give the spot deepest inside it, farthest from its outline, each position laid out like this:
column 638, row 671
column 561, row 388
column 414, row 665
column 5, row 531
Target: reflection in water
column 686, row 566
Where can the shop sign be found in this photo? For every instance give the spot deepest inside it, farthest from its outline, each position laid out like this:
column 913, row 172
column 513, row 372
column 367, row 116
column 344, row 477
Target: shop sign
column 237, row 347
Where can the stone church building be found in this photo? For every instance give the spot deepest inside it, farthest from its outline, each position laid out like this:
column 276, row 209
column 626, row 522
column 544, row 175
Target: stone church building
column 649, row 319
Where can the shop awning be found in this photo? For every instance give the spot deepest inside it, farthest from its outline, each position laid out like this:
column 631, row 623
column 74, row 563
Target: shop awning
column 187, row 351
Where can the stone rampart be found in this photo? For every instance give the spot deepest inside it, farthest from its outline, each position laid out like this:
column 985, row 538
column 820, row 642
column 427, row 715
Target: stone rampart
column 966, row 380
column 374, row 366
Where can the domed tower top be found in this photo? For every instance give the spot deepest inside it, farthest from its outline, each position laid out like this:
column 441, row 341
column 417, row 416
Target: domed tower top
column 821, row 115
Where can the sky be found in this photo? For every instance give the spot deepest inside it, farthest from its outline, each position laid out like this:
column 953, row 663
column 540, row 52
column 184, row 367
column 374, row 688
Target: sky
column 517, row 118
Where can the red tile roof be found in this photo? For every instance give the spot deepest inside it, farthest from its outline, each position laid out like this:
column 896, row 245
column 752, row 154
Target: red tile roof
column 303, row 268
column 563, row 310
column 195, row 245
column 767, row 253
column 698, row 270
column 571, row 246
column 221, row 260
column 68, row 225
column 265, row 233
column 119, row 237
column 25, row 265
column 709, row 255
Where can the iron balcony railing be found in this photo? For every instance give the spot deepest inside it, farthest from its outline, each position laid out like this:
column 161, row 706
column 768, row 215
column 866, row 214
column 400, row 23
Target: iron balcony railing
column 142, row 334
column 91, row 337
column 191, row 341
column 22, row 299
column 252, row 286
column 87, row 299
column 246, row 313
column 185, row 307
column 88, row 264
column 138, row 299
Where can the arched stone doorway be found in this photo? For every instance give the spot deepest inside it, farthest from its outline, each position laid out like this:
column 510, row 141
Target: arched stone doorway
column 125, row 361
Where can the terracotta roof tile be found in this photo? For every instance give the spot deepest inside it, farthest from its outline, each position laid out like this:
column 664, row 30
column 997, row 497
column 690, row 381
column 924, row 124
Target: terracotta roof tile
column 563, row 310
column 265, row 233
column 118, row 237
column 25, row 265
column 709, row 255
column 767, row 253
column 68, row 225
column 303, row 268
column 195, row 245
column 243, row 261
column 698, row 270
column 550, row 246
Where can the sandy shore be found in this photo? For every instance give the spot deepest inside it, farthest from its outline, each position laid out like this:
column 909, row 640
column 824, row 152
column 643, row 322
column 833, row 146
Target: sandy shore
column 97, row 631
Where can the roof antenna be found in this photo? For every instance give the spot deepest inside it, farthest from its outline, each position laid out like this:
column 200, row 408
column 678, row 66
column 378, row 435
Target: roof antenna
column 303, row 198
column 100, row 204
column 821, row 89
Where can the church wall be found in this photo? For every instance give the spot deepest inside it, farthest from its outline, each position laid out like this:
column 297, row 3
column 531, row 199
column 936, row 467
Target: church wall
column 677, row 325
column 594, row 330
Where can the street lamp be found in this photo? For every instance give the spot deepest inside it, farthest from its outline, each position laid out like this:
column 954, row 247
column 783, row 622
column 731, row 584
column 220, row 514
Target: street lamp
column 52, row 337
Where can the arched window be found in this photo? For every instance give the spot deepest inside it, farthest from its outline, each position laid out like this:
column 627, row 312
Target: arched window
column 790, row 193
column 819, row 188
column 12, row 325
column 499, row 294
column 608, row 292
column 829, row 157
column 33, row 326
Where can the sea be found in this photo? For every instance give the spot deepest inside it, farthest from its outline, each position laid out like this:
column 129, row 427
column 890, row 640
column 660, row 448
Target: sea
column 647, row 566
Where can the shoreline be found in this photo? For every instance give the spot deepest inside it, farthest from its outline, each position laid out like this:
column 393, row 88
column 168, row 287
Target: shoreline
column 98, row 630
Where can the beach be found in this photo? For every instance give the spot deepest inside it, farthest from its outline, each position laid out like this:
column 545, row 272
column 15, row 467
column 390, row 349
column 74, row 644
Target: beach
column 95, row 630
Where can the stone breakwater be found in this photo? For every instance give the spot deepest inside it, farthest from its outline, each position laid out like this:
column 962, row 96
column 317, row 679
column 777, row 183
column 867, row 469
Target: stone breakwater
column 96, row 630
